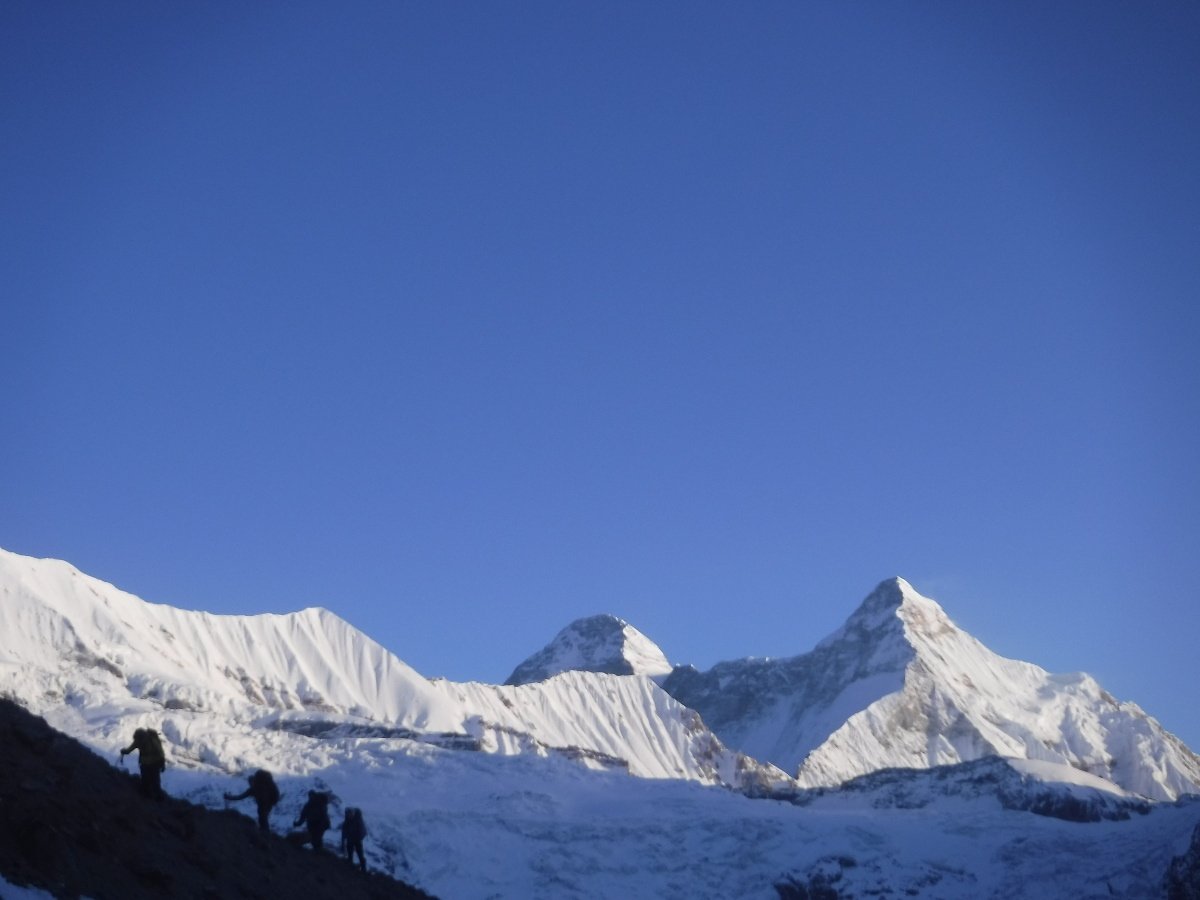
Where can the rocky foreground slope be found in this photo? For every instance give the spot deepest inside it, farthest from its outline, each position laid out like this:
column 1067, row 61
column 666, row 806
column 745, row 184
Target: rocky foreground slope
column 74, row 825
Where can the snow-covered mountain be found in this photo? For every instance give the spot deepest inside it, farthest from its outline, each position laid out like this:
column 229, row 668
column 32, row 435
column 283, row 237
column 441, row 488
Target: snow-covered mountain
column 68, row 636
column 900, row 685
column 593, row 784
column 72, row 634
column 595, row 644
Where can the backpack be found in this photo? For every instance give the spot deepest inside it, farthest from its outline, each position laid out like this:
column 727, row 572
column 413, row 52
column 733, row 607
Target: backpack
column 316, row 811
column 323, row 810
column 354, row 829
column 265, row 787
column 153, row 749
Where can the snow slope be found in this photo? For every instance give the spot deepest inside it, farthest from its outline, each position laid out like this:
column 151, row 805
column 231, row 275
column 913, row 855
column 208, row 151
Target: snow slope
column 608, row 721
column 900, row 685
column 467, row 825
column 70, row 632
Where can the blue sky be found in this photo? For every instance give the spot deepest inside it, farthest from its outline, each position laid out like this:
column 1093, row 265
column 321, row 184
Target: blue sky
column 466, row 320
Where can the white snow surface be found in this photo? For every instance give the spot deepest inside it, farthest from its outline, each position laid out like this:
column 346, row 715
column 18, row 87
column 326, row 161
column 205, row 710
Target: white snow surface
column 1056, row 773
column 584, row 785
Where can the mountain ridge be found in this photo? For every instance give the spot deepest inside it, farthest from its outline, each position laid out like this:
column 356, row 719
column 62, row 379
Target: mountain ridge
column 899, row 684
column 71, row 637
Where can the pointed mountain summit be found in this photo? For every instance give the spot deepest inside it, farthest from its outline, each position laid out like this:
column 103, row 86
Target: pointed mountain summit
column 595, row 644
column 900, row 685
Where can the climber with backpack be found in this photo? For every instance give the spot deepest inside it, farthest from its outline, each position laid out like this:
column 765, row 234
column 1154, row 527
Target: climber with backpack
column 315, row 815
column 354, row 829
column 265, row 793
column 152, row 762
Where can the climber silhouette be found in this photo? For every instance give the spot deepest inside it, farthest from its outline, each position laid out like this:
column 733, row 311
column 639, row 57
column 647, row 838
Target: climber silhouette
column 151, row 761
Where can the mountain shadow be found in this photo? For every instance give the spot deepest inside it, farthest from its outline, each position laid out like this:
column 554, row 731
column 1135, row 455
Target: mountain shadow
column 76, row 826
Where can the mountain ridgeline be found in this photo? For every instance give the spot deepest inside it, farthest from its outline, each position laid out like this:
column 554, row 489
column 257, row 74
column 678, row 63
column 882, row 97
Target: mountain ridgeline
column 899, row 685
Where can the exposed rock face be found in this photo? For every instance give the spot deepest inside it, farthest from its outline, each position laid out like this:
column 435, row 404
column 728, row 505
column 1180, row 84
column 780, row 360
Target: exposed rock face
column 1183, row 876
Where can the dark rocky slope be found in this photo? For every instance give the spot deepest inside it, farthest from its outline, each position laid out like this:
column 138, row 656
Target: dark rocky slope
column 1183, row 876
column 76, row 826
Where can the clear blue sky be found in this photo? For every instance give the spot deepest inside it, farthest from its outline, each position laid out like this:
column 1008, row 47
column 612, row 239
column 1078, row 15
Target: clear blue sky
column 466, row 320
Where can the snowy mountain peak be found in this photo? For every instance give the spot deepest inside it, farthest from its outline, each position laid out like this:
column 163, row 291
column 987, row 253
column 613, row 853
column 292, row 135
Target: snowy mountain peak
column 893, row 610
column 899, row 685
column 601, row 643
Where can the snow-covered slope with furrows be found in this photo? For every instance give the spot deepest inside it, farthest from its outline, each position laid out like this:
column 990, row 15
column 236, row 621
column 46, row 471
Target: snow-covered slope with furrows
column 608, row 721
column 900, row 685
column 71, row 633
column 596, row 644
column 80, row 651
